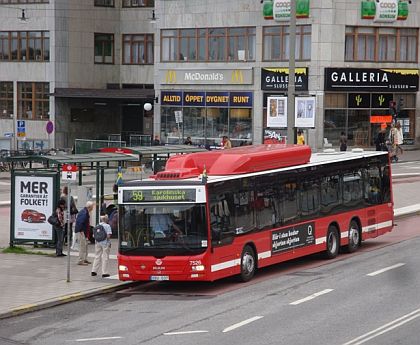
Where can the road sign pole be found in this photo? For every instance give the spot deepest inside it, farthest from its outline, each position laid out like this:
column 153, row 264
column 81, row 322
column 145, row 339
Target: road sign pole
column 68, row 231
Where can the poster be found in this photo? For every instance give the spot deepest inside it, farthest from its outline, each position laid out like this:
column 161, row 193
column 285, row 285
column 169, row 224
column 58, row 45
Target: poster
column 277, row 112
column 33, row 204
column 305, row 112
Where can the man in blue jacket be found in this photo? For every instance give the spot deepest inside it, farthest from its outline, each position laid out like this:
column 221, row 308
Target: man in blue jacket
column 82, row 232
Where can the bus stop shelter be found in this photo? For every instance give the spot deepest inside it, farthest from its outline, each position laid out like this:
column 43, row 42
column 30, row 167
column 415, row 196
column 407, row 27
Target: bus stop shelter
column 41, row 174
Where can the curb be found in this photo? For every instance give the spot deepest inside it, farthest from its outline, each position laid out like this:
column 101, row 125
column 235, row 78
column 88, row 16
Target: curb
column 65, row 299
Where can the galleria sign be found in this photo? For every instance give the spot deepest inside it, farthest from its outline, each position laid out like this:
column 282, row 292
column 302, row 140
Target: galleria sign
column 381, row 80
column 359, row 77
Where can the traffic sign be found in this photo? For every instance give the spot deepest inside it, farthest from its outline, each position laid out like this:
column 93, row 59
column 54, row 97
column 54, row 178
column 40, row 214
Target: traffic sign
column 50, row 127
column 21, row 131
column 8, row 135
column 69, row 172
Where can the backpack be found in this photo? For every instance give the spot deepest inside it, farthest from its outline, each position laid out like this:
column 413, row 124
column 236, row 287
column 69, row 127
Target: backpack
column 99, row 233
column 53, row 220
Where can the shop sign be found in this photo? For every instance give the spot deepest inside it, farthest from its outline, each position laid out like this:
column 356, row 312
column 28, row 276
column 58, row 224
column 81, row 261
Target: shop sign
column 33, row 203
column 281, row 10
column 192, row 98
column 209, row 99
column 210, row 76
column 384, row 11
column 278, row 79
column 305, row 112
column 389, row 80
column 380, row 118
column 217, row 99
column 358, row 100
column 240, row 99
column 277, row 112
column 381, row 100
column 171, row 98
column 268, row 9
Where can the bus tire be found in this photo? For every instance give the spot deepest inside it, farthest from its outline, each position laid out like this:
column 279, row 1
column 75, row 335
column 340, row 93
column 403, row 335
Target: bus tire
column 333, row 242
column 354, row 237
column 248, row 264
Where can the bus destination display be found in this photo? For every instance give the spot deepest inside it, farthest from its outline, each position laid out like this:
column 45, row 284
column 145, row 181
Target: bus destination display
column 159, row 195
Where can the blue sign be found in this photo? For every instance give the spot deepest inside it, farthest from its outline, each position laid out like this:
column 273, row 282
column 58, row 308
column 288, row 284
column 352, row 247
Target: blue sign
column 21, row 132
column 217, row 99
column 171, row 98
column 240, row 99
column 193, row 98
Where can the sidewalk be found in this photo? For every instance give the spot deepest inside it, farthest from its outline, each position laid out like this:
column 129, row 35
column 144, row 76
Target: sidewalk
column 33, row 282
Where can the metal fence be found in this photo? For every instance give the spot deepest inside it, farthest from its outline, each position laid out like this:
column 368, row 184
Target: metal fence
column 140, row 140
column 88, row 146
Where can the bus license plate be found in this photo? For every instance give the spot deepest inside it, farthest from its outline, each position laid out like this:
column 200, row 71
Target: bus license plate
column 159, row 277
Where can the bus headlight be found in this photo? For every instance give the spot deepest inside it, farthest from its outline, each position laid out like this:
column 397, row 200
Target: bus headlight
column 122, row 268
column 198, row 268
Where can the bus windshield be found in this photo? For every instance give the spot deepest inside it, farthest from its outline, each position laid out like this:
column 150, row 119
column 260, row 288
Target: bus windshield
column 157, row 229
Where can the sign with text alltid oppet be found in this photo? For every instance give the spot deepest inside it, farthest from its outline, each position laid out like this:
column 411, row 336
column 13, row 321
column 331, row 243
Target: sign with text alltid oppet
column 33, row 202
column 305, row 112
column 281, row 9
column 386, row 11
column 277, row 112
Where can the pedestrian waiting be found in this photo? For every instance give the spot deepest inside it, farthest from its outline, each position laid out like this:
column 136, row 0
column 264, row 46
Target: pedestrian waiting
column 82, row 230
column 102, row 247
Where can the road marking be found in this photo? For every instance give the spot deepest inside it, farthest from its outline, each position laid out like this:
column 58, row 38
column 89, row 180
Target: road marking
column 384, row 270
column 242, row 323
column 316, row 294
column 98, row 339
column 185, row 332
column 113, row 277
column 385, row 328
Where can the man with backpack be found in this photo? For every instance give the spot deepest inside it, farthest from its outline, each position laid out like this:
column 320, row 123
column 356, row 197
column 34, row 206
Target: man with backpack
column 102, row 234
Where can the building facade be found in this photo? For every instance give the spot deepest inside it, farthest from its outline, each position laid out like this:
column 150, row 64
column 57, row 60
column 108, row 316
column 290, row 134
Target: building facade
column 84, row 69
column 218, row 64
column 87, row 67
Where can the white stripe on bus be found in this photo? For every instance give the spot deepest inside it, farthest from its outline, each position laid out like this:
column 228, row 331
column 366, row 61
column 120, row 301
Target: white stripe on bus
column 319, row 240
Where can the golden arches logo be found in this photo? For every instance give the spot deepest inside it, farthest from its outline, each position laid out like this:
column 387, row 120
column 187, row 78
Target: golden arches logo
column 170, row 77
column 237, row 77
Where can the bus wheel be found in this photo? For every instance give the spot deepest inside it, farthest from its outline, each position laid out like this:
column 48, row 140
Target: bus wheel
column 354, row 237
column 248, row 264
column 332, row 242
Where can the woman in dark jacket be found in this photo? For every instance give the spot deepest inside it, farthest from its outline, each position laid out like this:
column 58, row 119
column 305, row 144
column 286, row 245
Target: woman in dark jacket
column 58, row 228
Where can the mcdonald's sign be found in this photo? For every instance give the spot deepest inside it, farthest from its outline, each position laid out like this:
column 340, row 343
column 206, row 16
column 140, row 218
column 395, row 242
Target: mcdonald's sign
column 242, row 76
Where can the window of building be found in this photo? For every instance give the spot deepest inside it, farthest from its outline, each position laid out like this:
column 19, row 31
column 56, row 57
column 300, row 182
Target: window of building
column 104, row 48
column 6, row 99
column 4, row 2
column 276, row 43
column 104, row 3
column 208, row 44
column 138, row 3
column 25, row 46
column 138, row 49
column 381, row 44
column 33, row 101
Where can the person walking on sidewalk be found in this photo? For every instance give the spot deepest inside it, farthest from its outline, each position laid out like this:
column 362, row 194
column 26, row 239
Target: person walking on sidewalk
column 73, row 213
column 102, row 249
column 82, row 230
column 58, row 228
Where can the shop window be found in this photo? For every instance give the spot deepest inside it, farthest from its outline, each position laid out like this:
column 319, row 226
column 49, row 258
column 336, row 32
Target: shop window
column 104, row 3
column 138, row 3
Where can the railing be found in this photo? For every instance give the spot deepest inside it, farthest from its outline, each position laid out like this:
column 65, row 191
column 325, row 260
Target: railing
column 140, row 140
column 88, row 146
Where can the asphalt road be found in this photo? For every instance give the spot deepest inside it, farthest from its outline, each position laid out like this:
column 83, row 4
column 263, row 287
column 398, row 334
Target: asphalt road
column 370, row 297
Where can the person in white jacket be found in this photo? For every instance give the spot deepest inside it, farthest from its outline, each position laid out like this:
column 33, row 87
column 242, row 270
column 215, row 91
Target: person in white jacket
column 397, row 138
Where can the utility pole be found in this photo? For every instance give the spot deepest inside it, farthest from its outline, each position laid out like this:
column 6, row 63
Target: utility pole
column 291, row 132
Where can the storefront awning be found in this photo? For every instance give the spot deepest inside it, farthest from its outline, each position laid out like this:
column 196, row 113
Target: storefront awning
column 104, row 93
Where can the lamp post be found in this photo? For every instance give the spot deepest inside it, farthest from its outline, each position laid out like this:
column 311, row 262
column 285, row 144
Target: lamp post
column 291, row 132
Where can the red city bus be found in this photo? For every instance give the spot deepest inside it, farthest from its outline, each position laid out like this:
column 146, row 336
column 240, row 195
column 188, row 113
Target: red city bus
column 215, row 214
